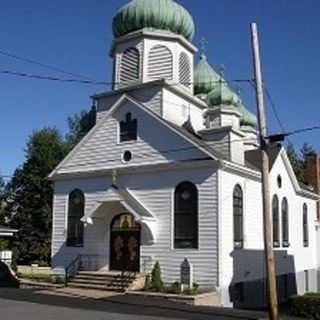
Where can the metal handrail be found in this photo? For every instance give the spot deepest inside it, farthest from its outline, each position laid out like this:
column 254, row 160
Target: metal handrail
column 73, row 268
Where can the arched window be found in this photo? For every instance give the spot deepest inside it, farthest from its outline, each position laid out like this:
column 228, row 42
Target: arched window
column 276, row 226
column 160, row 64
column 285, row 223
column 305, row 226
column 238, row 217
column 75, row 213
column 186, row 216
column 130, row 65
column 128, row 129
column 184, row 70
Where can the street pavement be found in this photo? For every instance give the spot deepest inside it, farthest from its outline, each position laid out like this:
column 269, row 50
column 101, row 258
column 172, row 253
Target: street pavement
column 33, row 304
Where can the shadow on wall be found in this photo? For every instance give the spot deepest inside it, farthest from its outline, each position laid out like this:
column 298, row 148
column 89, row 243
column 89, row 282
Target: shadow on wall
column 248, row 288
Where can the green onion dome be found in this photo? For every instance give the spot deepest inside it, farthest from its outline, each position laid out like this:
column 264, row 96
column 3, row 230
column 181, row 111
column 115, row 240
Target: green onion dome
column 154, row 14
column 205, row 78
column 222, row 95
column 248, row 119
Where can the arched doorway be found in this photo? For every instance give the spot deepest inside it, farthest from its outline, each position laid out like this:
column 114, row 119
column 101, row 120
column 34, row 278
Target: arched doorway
column 125, row 243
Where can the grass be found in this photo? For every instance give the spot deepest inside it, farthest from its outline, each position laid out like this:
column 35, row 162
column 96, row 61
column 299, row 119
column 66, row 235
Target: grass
column 41, row 278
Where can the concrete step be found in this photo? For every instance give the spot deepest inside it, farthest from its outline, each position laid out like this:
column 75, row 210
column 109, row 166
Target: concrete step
column 103, row 278
column 107, row 281
column 88, row 286
column 102, row 282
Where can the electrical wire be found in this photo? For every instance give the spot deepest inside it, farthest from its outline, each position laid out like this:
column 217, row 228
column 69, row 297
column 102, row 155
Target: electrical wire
column 8, row 54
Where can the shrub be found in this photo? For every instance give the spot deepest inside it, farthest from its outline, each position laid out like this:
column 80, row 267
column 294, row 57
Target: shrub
column 156, row 281
column 192, row 291
column 307, row 306
column 176, row 288
column 147, row 285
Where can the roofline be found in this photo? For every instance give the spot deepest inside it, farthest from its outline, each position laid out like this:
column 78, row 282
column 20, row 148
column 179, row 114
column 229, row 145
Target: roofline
column 152, row 33
column 162, row 83
column 157, row 166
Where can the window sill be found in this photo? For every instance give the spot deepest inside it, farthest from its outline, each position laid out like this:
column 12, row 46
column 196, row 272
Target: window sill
column 238, row 245
column 285, row 244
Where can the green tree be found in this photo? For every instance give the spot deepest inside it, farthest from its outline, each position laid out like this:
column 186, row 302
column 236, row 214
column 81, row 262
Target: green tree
column 30, row 206
column 299, row 161
column 79, row 125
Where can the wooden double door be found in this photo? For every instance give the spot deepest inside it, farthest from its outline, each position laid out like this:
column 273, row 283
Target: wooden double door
column 125, row 244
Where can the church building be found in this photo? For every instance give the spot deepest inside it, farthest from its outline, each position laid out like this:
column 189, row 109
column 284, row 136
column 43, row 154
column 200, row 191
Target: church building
column 171, row 171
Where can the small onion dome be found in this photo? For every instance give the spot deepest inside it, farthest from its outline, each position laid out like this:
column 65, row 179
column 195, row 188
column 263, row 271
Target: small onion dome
column 248, row 119
column 205, row 78
column 222, row 95
column 154, row 14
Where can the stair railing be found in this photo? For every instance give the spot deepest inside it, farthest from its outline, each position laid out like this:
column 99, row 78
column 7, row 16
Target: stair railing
column 74, row 267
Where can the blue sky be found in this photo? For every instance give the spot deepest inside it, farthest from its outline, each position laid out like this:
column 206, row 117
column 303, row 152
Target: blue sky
column 75, row 35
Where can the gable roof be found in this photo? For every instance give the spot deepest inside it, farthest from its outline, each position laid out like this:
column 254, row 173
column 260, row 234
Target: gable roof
column 254, row 158
column 195, row 142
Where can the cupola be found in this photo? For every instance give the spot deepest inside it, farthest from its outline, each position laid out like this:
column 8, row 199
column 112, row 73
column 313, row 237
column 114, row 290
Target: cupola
column 165, row 15
column 152, row 42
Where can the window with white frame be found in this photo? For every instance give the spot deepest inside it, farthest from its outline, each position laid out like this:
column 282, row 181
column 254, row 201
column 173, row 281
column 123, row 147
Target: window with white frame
column 285, row 222
column 276, row 225
column 75, row 229
column 238, row 217
column 186, row 216
column 305, row 229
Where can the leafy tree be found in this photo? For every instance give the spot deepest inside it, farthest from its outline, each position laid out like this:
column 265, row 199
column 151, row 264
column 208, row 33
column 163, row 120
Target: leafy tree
column 79, row 125
column 299, row 161
column 30, row 205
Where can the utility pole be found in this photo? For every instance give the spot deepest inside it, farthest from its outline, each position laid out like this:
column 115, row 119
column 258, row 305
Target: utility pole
column 267, row 220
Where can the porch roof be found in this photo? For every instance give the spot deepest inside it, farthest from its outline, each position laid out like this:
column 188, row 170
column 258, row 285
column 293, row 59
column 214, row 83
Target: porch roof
column 118, row 195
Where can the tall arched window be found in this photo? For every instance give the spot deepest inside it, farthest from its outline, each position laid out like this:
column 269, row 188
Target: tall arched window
column 285, row 223
column 305, row 226
column 186, row 216
column 130, row 65
column 75, row 213
column 184, row 70
column 238, row 217
column 160, row 64
column 276, row 226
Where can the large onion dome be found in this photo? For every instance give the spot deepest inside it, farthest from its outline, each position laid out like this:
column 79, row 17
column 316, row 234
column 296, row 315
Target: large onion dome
column 154, row 14
column 205, row 78
column 222, row 95
column 247, row 119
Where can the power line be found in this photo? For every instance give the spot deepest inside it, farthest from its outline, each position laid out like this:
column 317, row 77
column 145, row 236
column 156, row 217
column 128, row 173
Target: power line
column 89, row 81
column 8, row 54
column 39, row 77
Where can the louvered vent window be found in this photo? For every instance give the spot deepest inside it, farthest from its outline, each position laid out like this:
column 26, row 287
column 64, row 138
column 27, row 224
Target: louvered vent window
column 130, row 65
column 160, row 63
column 184, row 70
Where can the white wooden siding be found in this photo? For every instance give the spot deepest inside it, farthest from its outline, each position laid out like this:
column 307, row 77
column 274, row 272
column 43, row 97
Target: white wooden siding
column 155, row 191
column 150, row 97
column 248, row 264
column 177, row 110
column 156, row 143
